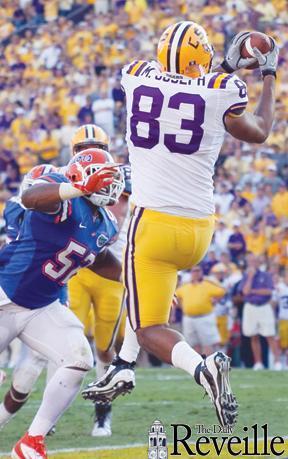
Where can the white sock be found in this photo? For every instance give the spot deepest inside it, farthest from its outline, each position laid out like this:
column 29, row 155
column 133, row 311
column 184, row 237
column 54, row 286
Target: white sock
column 100, row 368
column 4, row 415
column 184, row 357
column 50, row 370
column 58, row 395
column 130, row 347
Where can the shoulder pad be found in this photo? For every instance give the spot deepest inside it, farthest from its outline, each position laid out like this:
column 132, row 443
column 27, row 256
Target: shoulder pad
column 137, row 68
column 53, row 177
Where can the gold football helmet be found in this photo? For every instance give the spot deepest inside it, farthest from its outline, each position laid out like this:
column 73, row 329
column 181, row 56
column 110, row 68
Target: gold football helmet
column 89, row 136
column 184, row 49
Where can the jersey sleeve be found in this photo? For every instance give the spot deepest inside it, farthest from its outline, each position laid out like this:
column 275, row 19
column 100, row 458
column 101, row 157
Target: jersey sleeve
column 235, row 98
column 65, row 208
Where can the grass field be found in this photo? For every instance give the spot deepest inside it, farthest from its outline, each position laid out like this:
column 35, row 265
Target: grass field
column 166, row 394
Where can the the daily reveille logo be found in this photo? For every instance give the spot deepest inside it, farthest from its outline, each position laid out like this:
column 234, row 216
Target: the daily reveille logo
column 211, row 441
column 157, row 441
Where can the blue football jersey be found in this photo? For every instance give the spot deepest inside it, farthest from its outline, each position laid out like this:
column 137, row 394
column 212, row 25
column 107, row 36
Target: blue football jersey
column 50, row 248
column 14, row 216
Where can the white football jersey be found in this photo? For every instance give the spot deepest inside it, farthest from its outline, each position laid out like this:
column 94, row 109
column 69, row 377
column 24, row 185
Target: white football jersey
column 175, row 130
column 282, row 299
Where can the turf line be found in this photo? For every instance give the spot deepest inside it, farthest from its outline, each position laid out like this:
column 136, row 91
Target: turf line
column 79, row 450
column 114, row 447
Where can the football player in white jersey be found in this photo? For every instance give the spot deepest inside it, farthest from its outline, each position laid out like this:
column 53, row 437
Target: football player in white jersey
column 177, row 114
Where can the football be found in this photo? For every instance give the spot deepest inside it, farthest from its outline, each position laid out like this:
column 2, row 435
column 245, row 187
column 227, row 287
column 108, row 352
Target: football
column 255, row 40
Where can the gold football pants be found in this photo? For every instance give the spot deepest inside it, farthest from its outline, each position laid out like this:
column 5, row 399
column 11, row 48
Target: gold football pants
column 158, row 246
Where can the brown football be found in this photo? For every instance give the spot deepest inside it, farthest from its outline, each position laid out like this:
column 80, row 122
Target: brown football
column 255, row 40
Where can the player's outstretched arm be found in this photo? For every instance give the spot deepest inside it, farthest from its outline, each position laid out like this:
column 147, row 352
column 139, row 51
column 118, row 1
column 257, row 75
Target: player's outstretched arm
column 43, row 197
column 257, row 126
column 46, row 197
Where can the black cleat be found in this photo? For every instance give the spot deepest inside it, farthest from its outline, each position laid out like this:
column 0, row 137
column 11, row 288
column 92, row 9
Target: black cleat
column 118, row 379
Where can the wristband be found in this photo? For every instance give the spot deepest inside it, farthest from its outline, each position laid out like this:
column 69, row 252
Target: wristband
column 68, row 191
column 269, row 72
column 227, row 67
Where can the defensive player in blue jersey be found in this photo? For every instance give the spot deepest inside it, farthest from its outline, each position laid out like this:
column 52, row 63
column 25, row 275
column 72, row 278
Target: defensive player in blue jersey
column 103, row 292
column 29, row 368
column 61, row 233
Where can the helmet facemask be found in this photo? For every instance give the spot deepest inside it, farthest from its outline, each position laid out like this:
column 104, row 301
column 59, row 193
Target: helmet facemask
column 109, row 195
column 89, row 144
column 91, row 161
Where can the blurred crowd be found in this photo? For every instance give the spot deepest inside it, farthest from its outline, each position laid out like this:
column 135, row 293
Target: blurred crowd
column 60, row 67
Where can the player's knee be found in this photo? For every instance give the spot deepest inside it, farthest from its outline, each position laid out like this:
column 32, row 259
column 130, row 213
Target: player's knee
column 140, row 337
column 144, row 335
column 80, row 356
column 84, row 358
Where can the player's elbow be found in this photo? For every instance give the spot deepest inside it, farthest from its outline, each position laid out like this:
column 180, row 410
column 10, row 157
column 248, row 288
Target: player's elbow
column 258, row 136
column 261, row 132
column 250, row 129
column 261, row 137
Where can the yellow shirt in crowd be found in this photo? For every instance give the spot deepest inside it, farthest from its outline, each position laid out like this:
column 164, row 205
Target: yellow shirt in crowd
column 26, row 161
column 249, row 195
column 256, row 243
column 279, row 251
column 196, row 299
column 48, row 148
column 280, row 204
